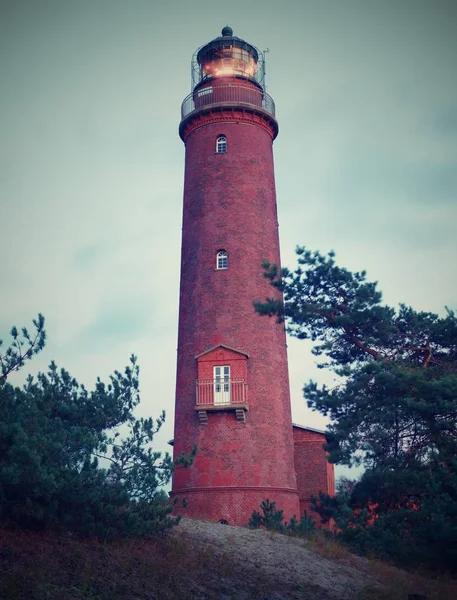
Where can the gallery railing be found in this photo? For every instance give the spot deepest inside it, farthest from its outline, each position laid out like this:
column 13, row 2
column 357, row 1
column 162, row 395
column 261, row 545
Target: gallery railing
column 230, row 94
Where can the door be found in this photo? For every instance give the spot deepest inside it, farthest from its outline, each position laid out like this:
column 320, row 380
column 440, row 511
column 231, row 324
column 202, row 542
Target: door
column 222, row 385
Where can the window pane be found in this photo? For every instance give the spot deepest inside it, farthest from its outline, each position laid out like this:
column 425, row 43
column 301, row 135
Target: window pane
column 221, row 144
column 222, row 260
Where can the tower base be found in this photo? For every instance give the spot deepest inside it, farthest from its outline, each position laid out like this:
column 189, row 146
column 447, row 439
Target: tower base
column 233, row 505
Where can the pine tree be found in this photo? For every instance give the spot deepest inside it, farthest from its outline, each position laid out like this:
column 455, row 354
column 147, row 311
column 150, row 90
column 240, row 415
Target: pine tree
column 64, row 464
column 271, row 518
column 394, row 409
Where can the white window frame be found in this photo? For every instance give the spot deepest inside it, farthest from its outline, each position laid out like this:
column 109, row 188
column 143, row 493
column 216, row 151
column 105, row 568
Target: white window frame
column 221, row 144
column 222, row 260
column 222, row 392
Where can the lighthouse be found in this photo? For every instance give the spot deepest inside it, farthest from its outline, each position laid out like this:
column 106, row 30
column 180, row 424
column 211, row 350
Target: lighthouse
column 232, row 386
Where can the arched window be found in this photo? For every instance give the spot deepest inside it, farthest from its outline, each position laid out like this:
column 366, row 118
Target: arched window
column 222, row 260
column 221, row 144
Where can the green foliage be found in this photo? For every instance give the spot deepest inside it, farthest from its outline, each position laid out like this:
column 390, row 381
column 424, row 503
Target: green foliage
column 303, row 528
column 272, row 519
column 22, row 348
column 394, row 408
column 410, row 517
column 64, row 464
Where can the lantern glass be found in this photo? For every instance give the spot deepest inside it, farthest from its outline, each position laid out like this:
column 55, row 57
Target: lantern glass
column 228, row 61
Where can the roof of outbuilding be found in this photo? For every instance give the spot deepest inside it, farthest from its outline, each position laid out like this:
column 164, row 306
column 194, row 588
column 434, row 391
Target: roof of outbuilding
column 309, row 428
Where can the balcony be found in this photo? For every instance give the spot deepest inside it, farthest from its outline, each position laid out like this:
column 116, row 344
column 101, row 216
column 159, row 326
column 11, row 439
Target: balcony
column 221, row 395
column 230, row 95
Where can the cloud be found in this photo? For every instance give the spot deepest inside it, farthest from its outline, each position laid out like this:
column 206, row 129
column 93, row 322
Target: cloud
column 124, row 319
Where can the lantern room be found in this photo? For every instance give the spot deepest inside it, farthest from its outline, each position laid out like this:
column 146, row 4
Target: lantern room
column 227, row 73
column 227, row 56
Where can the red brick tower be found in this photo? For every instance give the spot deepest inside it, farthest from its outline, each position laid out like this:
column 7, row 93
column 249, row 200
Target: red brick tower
column 232, row 391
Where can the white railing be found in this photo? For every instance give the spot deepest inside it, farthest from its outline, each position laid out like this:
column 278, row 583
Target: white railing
column 212, row 392
column 228, row 94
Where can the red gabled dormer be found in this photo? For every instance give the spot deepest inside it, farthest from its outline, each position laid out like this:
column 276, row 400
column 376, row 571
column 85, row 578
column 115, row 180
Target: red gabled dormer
column 222, row 382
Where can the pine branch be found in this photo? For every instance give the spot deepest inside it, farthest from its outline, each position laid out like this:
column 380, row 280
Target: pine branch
column 14, row 357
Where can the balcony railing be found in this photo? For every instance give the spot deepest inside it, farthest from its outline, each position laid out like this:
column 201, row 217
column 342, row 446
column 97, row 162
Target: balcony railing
column 220, row 393
column 228, row 94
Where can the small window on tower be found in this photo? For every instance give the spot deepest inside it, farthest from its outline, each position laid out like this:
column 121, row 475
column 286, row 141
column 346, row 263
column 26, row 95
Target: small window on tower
column 221, row 144
column 222, row 260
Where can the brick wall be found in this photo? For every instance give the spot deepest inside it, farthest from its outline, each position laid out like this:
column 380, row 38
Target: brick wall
column 314, row 473
column 233, row 505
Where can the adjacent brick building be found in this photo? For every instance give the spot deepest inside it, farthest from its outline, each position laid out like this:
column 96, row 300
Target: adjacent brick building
column 232, row 389
column 314, row 472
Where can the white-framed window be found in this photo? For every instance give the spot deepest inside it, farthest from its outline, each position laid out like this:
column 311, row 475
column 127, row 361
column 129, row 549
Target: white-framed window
column 221, row 144
column 222, row 260
column 221, row 384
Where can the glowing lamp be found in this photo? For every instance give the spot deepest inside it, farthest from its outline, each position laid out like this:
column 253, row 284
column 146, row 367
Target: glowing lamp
column 227, row 56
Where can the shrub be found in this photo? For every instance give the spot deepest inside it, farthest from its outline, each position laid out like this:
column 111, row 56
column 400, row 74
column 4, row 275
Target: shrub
column 273, row 520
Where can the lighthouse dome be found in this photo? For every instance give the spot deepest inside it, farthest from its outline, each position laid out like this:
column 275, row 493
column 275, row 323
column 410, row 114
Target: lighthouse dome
column 227, row 56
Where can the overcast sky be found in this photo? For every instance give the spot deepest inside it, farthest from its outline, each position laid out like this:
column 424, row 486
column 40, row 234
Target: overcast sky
column 91, row 164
